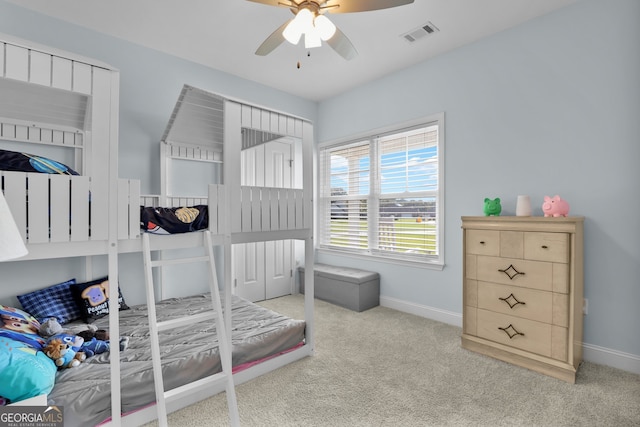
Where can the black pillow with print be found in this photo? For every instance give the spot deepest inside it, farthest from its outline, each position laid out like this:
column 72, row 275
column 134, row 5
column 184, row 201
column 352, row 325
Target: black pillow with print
column 25, row 162
column 174, row 220
column 93, row 299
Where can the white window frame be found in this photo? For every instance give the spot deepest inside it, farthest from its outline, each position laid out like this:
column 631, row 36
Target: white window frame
column 431, row 261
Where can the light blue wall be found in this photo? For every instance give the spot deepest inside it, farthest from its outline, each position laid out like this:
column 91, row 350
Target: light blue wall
column 550, row 107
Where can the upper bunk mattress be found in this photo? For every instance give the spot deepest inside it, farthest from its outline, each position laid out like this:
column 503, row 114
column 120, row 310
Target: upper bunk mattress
column 188, row 353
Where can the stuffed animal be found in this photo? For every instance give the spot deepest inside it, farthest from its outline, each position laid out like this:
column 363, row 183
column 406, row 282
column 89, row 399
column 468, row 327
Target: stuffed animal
column 97, row 346
column 63, row 355
column 90, row 340
column 73, row 341
column 492, row 207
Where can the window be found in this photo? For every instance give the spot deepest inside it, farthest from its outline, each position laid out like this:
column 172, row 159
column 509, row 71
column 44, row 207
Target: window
column 381, row 195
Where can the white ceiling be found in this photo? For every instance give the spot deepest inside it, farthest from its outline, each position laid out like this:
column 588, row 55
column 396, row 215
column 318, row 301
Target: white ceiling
column 224, row 34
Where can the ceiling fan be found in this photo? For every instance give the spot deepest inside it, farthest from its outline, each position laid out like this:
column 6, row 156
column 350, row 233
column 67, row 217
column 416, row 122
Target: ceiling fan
column 310, row 21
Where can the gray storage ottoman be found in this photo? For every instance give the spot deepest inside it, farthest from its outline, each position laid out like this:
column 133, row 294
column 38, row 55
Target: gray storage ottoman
column 351, row 288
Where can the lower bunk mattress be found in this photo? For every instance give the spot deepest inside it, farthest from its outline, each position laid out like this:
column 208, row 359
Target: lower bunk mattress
column 188, row 353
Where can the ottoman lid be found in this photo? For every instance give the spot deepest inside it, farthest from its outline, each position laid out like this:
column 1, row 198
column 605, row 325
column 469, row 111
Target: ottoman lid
column 345, row 274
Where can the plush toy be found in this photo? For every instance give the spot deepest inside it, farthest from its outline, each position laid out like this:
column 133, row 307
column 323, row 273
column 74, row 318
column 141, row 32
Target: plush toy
column 63, row 355
column 555, row 206
column 73, row 341
column 492, row 207
column 50, row 327
column 90, row 340
column 98, row 346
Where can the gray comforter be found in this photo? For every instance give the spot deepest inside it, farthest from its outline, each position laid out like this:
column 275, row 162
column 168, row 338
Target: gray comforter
column 188, row 354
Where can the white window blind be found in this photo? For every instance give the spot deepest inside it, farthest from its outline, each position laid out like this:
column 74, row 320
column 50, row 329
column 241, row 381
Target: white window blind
column 380, row 195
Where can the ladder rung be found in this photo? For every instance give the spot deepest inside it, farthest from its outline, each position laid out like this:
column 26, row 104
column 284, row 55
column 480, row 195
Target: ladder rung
column 161, row 262
column 195, row 386
column 185, row 321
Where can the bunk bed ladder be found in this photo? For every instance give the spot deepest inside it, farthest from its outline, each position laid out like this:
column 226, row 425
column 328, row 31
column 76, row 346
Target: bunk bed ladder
column 155, row 327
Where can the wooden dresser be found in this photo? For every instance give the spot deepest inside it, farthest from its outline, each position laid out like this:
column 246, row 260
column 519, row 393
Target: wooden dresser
column 523, row 291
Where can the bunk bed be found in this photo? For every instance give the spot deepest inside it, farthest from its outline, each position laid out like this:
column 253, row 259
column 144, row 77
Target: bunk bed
column 61, row 103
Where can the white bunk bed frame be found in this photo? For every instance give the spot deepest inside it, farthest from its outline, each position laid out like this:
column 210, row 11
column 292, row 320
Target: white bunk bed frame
column 71, row 101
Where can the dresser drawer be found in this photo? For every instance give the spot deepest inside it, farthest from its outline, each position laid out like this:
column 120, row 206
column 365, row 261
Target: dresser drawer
column 515, row 272
column 514, row 301
column 553, row 247
column 516, row 332
column 483, row 242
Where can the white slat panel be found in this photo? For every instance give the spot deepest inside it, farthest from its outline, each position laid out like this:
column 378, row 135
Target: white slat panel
column 275, row 117
column 40, row 68
column 298, row 128
column 214, row 203
column 8, row 131
column 265, row 120
column 60, row 214
column 245, row 116
column 38, row 209
column 100, row 152
column 21, row 133
column 299, row 209
column 2, row 47
column 307, row 210
column 17, row 63
column 69, row 138
column 62, row 73
column 266, row 210
column 46, row 135
column 282, row 124
column 80, row 193
column 246, row 208
column 123, row 209
column 273, row 197
column 255, row 117
column 291, row 126
column 82, row 78
column 58, row 136
column 291, row 209
column 15, row 191
column 256, row 211
column 282, row 208
column 34, row 134
column 134, row 208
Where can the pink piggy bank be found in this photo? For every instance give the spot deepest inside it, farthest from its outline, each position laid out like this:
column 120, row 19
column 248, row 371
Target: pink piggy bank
column 555, row 206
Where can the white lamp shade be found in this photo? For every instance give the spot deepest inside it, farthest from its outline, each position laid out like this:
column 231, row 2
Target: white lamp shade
column 300, row 25
column 11, row 244
column 292, row 32
column 312, row 38
column 326, row 29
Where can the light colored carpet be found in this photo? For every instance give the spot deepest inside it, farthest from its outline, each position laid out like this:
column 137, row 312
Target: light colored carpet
column 382, row 367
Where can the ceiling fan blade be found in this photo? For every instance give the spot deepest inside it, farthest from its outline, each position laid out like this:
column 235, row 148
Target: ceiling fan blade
column 273, row 41
column 341, row 44
column 267, row 2
column 285, row 3
column 349, row 6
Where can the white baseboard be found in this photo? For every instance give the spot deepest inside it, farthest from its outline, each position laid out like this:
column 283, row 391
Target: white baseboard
column 614, row 358
column 592, row 353
column 432, row 313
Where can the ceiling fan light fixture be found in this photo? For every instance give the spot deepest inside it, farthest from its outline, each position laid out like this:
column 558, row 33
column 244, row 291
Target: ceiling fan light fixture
column 312, row 38
column 300, row 25
column 325, row 28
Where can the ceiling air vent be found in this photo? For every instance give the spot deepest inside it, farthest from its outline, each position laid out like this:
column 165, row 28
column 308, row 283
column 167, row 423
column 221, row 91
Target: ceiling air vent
column 420, row 32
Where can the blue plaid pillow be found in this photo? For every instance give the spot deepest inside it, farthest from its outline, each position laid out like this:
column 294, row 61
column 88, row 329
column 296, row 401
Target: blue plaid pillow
column 55, row 301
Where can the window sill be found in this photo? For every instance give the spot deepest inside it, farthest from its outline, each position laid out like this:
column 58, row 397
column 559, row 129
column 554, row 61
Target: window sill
column 428, row 265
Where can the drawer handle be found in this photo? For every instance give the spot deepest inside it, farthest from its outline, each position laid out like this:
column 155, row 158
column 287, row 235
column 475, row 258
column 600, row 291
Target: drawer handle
column 545, row 247
column 511, row 272
column 510, row 331
column 512, row 301
column 482, row 242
